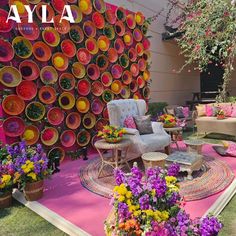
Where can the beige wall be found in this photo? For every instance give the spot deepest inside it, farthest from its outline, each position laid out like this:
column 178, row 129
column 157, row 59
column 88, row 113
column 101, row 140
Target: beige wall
column 166, row 85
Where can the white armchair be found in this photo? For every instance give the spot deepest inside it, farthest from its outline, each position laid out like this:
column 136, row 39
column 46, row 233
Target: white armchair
column 118, row 110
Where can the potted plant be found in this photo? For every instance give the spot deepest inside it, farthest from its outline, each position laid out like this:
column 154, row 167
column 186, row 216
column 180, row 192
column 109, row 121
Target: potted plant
column 151, row 205
column 220, row 114
column 112, row 134
column 31, row 168
column 6, row 184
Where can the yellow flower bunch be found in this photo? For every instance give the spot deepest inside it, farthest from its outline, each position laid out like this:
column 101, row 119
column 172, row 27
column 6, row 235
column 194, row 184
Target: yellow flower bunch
column 28, row 166
column 32, row 175
column 5, row 181
column 171, row 184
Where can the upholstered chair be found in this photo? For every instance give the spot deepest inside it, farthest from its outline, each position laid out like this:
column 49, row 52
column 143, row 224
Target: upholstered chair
column 118, row 110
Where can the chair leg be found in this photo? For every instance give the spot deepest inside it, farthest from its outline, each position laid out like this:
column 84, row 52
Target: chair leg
column 167, row 150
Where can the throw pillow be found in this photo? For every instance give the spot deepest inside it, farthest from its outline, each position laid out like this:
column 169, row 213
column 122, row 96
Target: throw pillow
column 186, row 112
column 201, row 110
column 209, row 110
column 129, row 122
column 170, row 111
column 231, row 150
column 233, row 114
column 227, row 108
column 179, row 112
column 144, row 124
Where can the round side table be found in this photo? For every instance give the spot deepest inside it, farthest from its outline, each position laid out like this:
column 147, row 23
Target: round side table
column 119, row 153
column 194, row 145
column 154, row 159
column 174, row 132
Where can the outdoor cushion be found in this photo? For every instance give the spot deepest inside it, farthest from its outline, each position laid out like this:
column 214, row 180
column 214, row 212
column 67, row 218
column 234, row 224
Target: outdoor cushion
column 186, row 112
column 220, row 150
column 144, row 124
column 227, row 108
column 179, row 112
column 201, row 110
column 129, row 122
column 209, row 110
column 231, row 150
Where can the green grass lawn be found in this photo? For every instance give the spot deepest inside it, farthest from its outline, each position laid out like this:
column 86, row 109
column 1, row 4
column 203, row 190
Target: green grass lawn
column 228, row 216
column 20, row 221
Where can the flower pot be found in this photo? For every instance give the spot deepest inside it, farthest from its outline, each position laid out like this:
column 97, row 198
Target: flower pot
column 5, row 200
column 33, row 191
column 220, row 117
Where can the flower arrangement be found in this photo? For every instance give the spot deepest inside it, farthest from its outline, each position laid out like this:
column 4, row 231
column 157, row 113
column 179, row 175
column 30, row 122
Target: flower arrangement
column 7, row 171
column 167, row 120
column 220, row 114
column 151, row 205
column 31, row 163
column 112, row 134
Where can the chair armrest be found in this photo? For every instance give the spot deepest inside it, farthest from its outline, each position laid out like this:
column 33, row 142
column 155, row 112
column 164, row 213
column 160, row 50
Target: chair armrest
column 132, row 131
column 157, row 128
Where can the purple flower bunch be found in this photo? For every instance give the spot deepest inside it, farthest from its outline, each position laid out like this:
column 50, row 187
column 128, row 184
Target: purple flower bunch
column 29, row 164
column 173, row 170
column 151, row 205
column 210, row 226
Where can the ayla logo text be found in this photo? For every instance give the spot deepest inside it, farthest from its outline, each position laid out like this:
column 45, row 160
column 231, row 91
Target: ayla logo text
column 14, row 14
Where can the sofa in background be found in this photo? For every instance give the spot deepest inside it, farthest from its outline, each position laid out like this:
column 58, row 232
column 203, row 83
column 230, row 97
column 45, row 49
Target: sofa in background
column 207, row 122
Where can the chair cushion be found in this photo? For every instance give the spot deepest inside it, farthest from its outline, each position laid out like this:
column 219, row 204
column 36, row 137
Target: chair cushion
column 129, row 122
column 209, row 110
column 144, row 124
column 154, row 142
column 179, row 112
column 186, row 112
column 201, row 110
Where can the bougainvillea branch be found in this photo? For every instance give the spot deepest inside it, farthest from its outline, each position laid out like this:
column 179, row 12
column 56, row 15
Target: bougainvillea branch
column 209, row 28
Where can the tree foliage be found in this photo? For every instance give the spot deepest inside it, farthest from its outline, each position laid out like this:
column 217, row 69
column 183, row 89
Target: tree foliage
column 209, row 36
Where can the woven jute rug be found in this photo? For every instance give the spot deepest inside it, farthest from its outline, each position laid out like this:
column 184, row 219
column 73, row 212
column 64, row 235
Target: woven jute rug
column 214, row 177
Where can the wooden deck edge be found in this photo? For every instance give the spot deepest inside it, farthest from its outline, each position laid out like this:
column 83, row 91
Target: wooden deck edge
column 52, row 217
column 221, row 202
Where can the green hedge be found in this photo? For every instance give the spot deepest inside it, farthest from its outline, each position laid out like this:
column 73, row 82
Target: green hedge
column 155, row 108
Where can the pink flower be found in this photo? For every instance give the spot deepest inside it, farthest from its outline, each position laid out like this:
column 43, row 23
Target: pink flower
column 197, row 48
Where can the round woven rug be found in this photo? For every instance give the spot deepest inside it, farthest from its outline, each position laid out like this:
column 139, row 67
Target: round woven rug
column 214, row 177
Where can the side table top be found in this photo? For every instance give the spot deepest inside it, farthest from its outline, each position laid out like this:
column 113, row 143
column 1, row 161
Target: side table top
column 176, row 128
column 103, row 144
column 194, row 142
column 154, row 156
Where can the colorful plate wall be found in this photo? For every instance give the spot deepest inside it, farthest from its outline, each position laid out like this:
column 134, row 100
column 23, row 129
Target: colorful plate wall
column 75, row 68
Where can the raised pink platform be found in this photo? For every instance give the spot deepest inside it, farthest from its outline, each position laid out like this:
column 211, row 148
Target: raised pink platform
column 65, row 195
